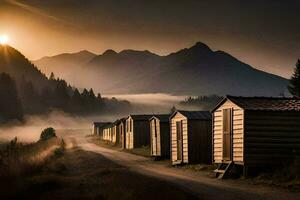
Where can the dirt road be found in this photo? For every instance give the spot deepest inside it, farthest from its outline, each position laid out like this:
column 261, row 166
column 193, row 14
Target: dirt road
column 201, row 186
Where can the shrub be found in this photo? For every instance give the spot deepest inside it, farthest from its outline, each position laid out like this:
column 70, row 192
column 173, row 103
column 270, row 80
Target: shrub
column 47, row 133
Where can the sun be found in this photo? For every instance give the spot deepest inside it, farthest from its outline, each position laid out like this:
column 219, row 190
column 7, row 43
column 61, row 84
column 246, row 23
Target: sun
column 4, row 39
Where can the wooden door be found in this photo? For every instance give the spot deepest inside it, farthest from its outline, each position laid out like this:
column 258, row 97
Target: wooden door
column 179, row 140
column 227, row 134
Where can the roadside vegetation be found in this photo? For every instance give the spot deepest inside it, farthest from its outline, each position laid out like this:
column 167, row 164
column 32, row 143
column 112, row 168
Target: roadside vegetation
column 18, row 161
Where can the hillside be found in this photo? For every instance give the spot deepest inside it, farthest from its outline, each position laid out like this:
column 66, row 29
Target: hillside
column 197, row 70
column 64, row 65
column 22, row 83
column 19, row 67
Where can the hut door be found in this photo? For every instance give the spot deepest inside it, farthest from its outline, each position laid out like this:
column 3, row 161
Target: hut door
column 179, row 139
column 155, row 135
column 227, row 133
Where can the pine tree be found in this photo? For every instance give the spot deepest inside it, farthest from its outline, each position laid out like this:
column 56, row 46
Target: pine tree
column 62, row 96
column 10, row 104
column 52, row 76
column 294, row 86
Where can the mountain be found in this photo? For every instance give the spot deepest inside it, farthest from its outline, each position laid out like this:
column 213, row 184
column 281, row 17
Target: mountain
column 197, row 70
column 24, row 87
column 20, row 68
column 64, row 65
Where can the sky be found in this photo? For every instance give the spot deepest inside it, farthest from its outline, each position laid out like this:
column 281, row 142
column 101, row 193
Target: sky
column 264, row 34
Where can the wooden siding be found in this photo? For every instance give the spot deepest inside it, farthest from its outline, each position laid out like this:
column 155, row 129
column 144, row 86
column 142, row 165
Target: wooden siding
column 237, row 133
column 271, row 137
column 129, row 133
column 164, row 128
column 200, row 141
column 155, row 137
column 176, row 118
column 141, row 133
column 122, row 134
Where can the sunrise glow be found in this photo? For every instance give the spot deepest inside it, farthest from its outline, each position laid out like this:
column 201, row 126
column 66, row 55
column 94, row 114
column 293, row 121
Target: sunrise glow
column 4, row 39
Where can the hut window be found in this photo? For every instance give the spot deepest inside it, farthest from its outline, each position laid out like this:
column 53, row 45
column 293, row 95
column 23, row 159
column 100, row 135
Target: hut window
column 227, row 120
column 130, row 125
column 155, row 130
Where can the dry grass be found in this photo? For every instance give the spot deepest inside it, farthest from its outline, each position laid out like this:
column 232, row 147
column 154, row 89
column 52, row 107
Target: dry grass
column 86, row 175
column 96, row 140
column 141, row 151
column 19, row 161
column 287, row 177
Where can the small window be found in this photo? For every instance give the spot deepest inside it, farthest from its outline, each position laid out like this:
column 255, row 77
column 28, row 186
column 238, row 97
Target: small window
column 227, row 120
column 179, row 129
column 130, row 125
column 155, row 128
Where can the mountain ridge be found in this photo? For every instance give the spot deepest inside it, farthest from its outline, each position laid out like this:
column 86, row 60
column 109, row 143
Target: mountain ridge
column 197, row 70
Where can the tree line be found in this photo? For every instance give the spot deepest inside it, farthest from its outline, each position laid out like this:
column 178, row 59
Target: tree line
column 25, row 98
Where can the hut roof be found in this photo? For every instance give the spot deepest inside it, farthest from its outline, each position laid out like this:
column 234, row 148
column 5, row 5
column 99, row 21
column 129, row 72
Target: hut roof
column 100, row 124
column 108, row 125
column 162, row 118
column 115, row 122
column 201, row 115
column 264, row 103
column 123, row 119
column 141, row 117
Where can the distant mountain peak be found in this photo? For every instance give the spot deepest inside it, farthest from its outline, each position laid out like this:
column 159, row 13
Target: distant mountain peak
column 129, row 52
column 109, row 52
column 85, row 52
column 201, row 47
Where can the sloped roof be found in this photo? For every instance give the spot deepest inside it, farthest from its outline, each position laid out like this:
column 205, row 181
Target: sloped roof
column 264, row 103
column 162, row 118
column 123, row 119
column 200, row 115
column 101, row 124
column 141, row 117
column 116, row 122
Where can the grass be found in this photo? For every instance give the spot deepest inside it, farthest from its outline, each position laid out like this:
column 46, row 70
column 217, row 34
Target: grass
column 19, row 161
column 141, row 151
column 96, row 140
column 86, row 175
column 286, row 177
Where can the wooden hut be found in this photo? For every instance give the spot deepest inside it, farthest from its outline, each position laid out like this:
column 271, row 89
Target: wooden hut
column 121, row 131
column 253, row 131
column 137, row 131
column 97, row 128
column 116, row 131
column 160, row 135
column 107, row 132
column 190, row 137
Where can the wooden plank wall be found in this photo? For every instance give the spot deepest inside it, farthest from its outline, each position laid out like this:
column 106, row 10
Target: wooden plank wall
column 155, row 142
column 179, row 117
column 165, row 138
column 141, row 133
column 271, row 137
column 238, row 133
column 200, row 141
column 129, row 134
column 122, row 135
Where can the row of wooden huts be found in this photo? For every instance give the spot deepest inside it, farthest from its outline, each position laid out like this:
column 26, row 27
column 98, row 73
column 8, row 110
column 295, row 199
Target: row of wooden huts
column 246, row 131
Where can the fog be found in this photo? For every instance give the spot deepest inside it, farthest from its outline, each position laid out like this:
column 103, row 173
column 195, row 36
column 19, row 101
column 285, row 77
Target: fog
column 153, row 103
column 32, row 127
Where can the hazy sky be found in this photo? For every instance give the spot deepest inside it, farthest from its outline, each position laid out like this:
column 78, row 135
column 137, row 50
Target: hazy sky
column 265, row 34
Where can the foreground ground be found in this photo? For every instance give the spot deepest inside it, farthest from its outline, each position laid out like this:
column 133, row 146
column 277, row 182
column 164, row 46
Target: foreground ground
column 94, row 172
column 201, row 186
column 86, row 175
